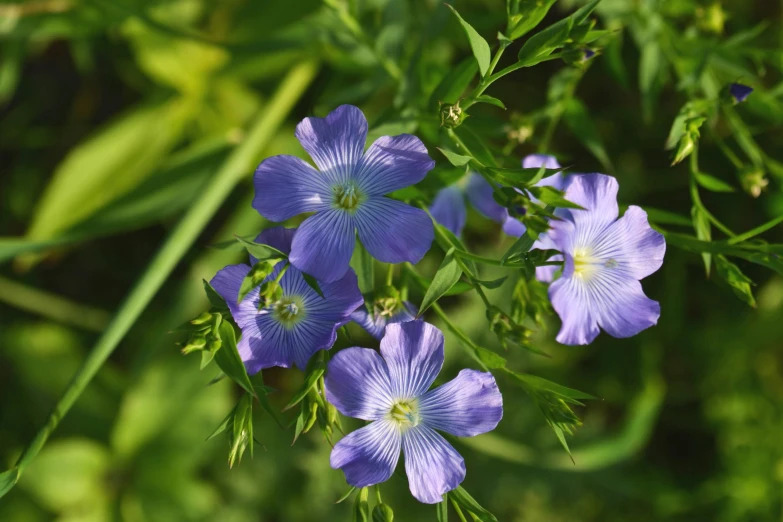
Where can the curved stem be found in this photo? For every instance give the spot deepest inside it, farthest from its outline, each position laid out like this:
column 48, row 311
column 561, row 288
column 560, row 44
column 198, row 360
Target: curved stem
column 181, row 239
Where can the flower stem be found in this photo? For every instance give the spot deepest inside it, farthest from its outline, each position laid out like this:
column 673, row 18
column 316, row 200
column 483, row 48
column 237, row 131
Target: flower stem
column 181, row 239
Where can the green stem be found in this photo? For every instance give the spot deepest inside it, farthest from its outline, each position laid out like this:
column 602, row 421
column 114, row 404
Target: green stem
column 485, row 81
column 459, row 511
column 756, row 231
column 694, row 166
column 462, row 336
column 52, row 306
column 390, row 275
column 187, row 230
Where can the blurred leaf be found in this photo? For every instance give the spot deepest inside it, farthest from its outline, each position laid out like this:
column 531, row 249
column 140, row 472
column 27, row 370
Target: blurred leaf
column 442, row 509
column 650, row 71
column 228, row 359
column 455, row 159
column 580, row 123
column 490, row 100
column 478, row 45
column 552, row 196
column 447, row 275
column 464, row 500
column 529, row 15
column 364, row 266
column 701, row 224
column 451, row 87
column 544, row 42
column 739, row 282
column 535, row 383
column 712, row 183
column 8, row 480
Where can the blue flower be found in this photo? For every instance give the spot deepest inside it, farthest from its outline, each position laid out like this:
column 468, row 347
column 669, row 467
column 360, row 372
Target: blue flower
column 448, row 207
column 605, row 257
column 346, row 194
column 375, row 323
column 740, row 92
column 292, row 329
column 390, row 390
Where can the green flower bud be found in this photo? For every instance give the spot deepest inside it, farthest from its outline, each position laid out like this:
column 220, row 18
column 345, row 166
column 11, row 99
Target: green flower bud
column 753, row 180
column 196, row 342
column 451, row 115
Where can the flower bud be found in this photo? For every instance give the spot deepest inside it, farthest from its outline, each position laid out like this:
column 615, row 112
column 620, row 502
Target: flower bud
column 753, row 180
column 739, row 92
column 451, row 115
column 195, row 343
column 711, row 18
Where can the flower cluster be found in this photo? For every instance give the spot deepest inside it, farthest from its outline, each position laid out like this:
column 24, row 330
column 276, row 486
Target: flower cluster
column 603, row 258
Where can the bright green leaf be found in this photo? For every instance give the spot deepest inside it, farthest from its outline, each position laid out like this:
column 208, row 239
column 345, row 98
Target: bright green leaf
column 447, row 275
column 478, row 44
column 455, row 159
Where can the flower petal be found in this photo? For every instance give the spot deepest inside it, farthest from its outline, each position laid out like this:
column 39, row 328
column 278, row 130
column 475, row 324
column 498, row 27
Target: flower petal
column 341, row 298
column 336, row 142
column 607, row 298
column 597, row 193
column 535, row 161
column 546, row 273
column 227, row 283
column 376, row 326
column 513, row 227
column 468, row 405
column 414, row 355
column 323, row 245
column 448, row 209
column 287, row 186
column 479, row 193
column 630, row 241
column 392, row 163
column 276, row 237
column 392, row 231
column 368, row 455
column 433, row 466
column 358, row 384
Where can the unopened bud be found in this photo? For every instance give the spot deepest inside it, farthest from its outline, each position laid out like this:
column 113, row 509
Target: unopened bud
column 753, row 180
column 451, row 115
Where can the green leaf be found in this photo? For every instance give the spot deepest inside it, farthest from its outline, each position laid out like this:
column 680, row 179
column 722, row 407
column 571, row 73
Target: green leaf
column 455, row 159
column 490, row 100
column 580, row 123
column 739, row 282
column 543, row 43
column 315, row 370
column 535, row 383
column 446, row 240
column 519, row 178
column 215, row 299
column 8, row 480
column 223, row 426
column 447, row 275
column 465, row 501
column 664, row 217
column 259, row 251
column 712, row 183
column 518, row 250
column 313, row 283
column 492, row 284
column 362, row 263
column 529, row 15
column 347, row 494
column 228, row 359
column 552, row 196
column 450, row 89
column 478, row 44
column 442, row 508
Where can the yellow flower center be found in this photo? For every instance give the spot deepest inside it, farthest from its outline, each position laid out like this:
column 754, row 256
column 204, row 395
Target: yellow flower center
column 405, row 413
column 586, row 264
column 288, row 311
column 347, row 197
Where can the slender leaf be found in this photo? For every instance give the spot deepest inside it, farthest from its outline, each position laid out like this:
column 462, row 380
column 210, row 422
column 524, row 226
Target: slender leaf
column 315, row 370
column 464, row 500
column 478, row 44
column 261, row 252
column 447, row 275
column 490, row 100
column 228, row 359
column 712, row 183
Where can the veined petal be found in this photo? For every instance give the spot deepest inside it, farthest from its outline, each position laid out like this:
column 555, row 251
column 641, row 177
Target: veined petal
column 392, row 163
column 358, row 384
column 392, row 231
column 277, row 237
column 433, row 466
column 323, row 245
column 606, row 298
column 597, row 193
column 633, row 244
column 368, row 455
column 513, row 227
column 336, row 142
column 376, row 326
column 287, row 186
column 341, row 298
column 448, row 209
column 535, row 161
column 479, row 193
column 227, row 283
column 413, row 352
column 468, row 405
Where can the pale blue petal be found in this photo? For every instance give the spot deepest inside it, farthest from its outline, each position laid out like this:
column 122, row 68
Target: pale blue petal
column 479, row 193
column 392, row 163
column 448, row 209
column 414, row 355
column 368, row 455
column 468, row 405
column 323, row 245
column 392, row 231
column 536, row 161
column 335, row 143
column 287, row 186
column 433, row 466
column 358, row 384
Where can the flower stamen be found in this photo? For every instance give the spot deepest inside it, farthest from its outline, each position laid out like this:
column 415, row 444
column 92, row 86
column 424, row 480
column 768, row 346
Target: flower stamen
column 347, row 197
column 405, row 413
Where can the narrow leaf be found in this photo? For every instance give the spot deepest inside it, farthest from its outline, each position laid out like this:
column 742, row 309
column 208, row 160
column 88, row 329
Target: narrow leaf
column 443, row 509
column 490, row 100
column 448, row 274
column 228, row 359
column 455, row 159
column 712, row 183
column 315, row 369
column 478, row 44
column 261, row 252
column 464, row 500
column 313, row 283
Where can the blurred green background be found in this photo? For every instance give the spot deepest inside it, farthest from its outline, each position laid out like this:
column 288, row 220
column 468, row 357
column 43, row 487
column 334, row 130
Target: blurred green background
column 115, row 114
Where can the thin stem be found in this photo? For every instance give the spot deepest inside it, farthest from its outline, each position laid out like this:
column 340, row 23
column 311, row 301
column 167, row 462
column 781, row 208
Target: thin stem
column 181, row 239
column 390, row 275
column 458, row 510
column 733, row 158
column 694, row 166
column 485, row 81
column 52, row 306
column 559, row 109
column 756, row 231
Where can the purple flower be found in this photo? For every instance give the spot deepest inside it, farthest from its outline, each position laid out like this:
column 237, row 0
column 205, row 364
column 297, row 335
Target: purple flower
column 390, row 390
column 291, row 330
column 605, row 257
column 346, row 194
column 739, row 91
column 449, row 210
column 375, row 323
